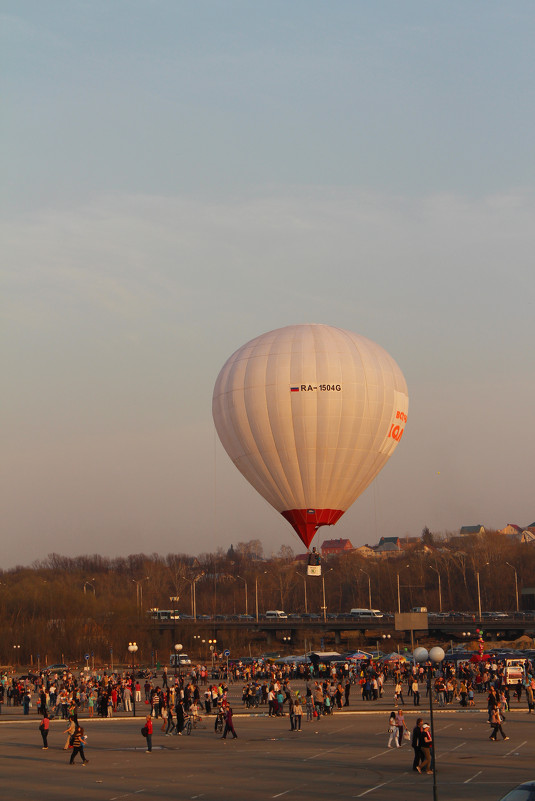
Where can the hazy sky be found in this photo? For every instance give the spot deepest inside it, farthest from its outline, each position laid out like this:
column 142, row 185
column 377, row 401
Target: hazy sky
column 179, row 177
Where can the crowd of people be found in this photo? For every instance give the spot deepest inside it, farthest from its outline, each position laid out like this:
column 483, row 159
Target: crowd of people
column 170, row 701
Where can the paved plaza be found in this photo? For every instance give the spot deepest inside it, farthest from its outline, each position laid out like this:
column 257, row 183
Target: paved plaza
column 343, row 756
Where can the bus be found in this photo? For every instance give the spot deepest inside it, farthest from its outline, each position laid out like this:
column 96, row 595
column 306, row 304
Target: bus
column 164, row 614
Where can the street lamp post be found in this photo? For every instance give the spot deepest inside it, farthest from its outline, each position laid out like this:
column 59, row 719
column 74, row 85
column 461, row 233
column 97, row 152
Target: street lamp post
column 139, row 593
column 178, row 648
column 399, row 596
column 212, row 644
column 256, row 596
column 479, row 592
column 369, row 586
column 245, row 582
column 435, row 655
column 192, row 582
column 439, row 587
column 132, row 647
column 324, row 607
column 304, row 588
column 269, row 573
column 516, row 585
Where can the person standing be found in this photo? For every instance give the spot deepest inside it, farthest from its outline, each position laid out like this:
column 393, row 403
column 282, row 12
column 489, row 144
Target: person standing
column 415, row 691
column 148, row 726
column 44, row 729
column 347, row 690
column 298, row 714
column 78, row 745
column 401, row 726
column 416, row 743
column 127, row 695
column 179, row 712
column 291, row 713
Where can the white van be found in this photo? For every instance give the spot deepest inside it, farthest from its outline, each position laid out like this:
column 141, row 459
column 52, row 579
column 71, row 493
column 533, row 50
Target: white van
column 276, row 614
column 366, row 613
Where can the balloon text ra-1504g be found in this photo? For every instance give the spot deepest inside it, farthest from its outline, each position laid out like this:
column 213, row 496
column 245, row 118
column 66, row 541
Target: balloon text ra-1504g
column 309, row 414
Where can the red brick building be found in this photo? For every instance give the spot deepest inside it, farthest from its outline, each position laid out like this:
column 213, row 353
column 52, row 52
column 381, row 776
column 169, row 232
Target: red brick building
column 331, row 547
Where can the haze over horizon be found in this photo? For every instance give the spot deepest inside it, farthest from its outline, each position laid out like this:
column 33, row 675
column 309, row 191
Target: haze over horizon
column 180, row 177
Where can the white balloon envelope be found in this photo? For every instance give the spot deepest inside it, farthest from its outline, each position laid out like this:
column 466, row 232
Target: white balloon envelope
column 309, row 414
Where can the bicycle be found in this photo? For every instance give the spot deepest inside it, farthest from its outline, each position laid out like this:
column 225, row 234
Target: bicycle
column 219, row 721
column 192, row 722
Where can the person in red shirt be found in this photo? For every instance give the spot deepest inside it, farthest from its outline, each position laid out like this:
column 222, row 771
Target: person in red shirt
column 44, row 729
column 148, row 726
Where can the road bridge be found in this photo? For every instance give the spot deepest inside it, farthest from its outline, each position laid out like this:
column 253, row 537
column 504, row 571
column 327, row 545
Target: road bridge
column 504, row 628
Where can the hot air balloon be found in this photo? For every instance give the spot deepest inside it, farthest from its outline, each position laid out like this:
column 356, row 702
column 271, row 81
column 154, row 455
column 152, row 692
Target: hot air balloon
column 309, row 414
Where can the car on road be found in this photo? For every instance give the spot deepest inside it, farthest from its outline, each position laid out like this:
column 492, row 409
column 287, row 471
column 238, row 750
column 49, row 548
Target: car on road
column 59, row 668
column 524, row 792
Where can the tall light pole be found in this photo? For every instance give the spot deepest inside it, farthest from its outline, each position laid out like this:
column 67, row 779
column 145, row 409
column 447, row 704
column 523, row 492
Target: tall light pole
column 439, row 587
column 516, row 585
column 256, row 596
column 435, row 655
column 369, row 586
column 193, row 582
column 139, row 593
column 304, row 588
column 132, row 647
column 399, row 595
column 269, row 573
column 324, row 607
column 245, row 582
column 479, row 592
column 178, row 648
column 212, row 644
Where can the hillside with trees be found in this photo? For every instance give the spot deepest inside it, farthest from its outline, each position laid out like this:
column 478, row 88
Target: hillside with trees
column 62, row 608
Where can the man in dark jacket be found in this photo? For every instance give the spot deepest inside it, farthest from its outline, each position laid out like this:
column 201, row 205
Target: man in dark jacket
column 416, row 742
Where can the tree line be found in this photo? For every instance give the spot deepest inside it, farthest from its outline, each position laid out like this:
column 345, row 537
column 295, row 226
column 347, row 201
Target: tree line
column 61, row 608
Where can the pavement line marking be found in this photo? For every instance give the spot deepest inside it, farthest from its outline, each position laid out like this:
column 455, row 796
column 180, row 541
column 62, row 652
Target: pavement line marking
column 337, row 730
column 377, row 786
column 473, row 777
column 452, row 749
column 279, row 794
column 514, row 749
column 378, row 755
column 329, row 751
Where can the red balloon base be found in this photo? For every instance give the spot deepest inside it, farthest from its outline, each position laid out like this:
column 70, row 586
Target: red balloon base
column 306, row 521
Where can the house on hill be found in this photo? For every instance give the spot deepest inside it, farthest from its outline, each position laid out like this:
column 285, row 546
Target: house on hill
column 467, row 530
column 366, row 551
column 335, row 547
column 528, row 534
column 388, row 545
column 510, row 529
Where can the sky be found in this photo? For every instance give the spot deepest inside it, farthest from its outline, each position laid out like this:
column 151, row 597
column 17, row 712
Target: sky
column 180, row 177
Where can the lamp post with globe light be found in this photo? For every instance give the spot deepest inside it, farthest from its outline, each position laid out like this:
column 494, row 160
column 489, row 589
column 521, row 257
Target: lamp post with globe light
column 435, row 656
column 132, row 647
column 178, row 648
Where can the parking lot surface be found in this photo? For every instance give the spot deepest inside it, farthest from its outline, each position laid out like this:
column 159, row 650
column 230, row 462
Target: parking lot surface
column 340, row 756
